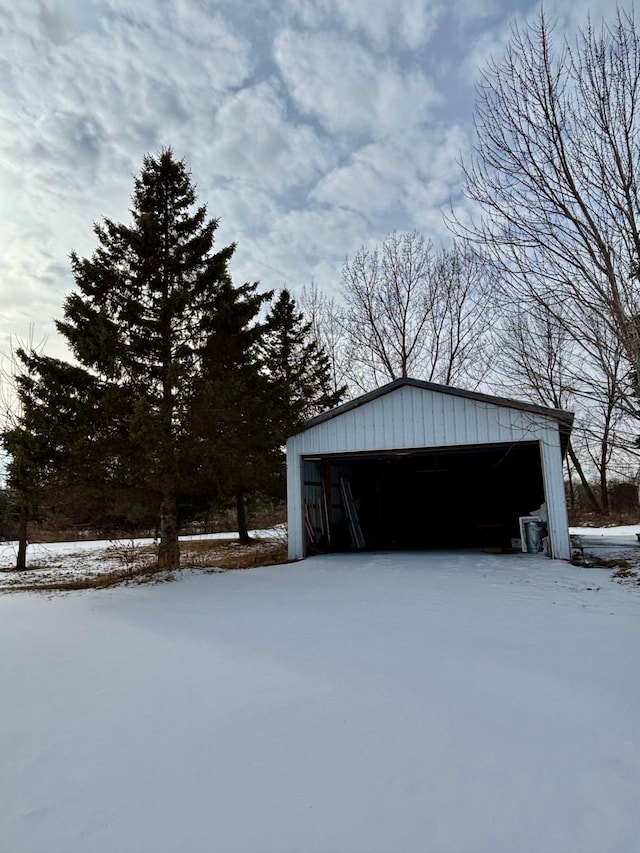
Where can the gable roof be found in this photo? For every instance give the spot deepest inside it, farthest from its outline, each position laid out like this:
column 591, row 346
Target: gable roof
column 565, row 419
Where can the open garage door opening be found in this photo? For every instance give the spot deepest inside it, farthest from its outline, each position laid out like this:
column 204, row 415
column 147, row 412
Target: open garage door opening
column 464, row 497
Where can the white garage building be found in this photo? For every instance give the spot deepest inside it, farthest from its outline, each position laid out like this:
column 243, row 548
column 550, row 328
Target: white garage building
column 419, row 465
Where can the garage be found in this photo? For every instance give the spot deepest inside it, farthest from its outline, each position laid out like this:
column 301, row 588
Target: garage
column 415, row 465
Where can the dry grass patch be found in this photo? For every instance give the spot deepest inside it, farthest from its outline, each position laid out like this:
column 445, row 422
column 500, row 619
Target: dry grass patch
column 103, row 580
column 228, row 554
column 273, row 555
column 627, row 571
column 626, row 574
column 131, row 563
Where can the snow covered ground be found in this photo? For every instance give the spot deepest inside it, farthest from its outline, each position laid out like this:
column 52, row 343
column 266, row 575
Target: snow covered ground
column 433, row 702
column 610, row 542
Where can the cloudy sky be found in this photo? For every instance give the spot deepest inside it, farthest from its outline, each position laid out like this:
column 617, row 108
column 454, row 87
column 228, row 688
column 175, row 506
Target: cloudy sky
column 311, row 127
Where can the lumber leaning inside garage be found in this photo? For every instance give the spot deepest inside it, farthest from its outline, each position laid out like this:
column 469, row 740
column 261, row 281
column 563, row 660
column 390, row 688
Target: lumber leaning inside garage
column 419, row 465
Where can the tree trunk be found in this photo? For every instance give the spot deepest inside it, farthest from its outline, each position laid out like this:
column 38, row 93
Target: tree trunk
column 241, row 510
column 572, row 491
column 593, row 500
column 169, row 550
column 21, row 560
column 604, row 489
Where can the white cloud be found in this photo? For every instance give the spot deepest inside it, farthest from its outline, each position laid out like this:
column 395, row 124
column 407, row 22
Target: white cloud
column 487, row 46
column 348, row 89
column 302, row 245
column 419, row 21
column 468, row 13
column 254, row 139
column 569, row 17
column 84, row 97
column 402, row 185
column 329, row 78
column 310, row 127
column 130, row 82
column 565, row 19
column 409, row 23
column 359, row 186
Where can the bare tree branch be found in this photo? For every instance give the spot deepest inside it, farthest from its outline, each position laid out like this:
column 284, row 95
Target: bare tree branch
column 555, row 174
column 412, row 311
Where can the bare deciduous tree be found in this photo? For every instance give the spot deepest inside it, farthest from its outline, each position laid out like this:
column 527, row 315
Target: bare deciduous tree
column 539, row 357
column 555, row 170
column 411, row 311
column 324, row 315
column 603, row 418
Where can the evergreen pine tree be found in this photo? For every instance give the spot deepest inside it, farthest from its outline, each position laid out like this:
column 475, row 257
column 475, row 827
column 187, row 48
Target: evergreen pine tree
column 297, row 365
column 136, row 324
column 233, row 411
column 65, row 447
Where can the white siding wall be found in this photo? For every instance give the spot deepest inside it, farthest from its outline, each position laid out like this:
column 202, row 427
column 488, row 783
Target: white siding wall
column 411, row 417
column 552, row 474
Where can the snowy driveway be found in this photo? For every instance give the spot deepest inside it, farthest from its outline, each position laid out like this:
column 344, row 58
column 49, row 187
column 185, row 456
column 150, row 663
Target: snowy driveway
column 439, row 703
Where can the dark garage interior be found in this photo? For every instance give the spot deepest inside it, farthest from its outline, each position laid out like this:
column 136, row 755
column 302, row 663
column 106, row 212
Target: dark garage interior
column 464, row 497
